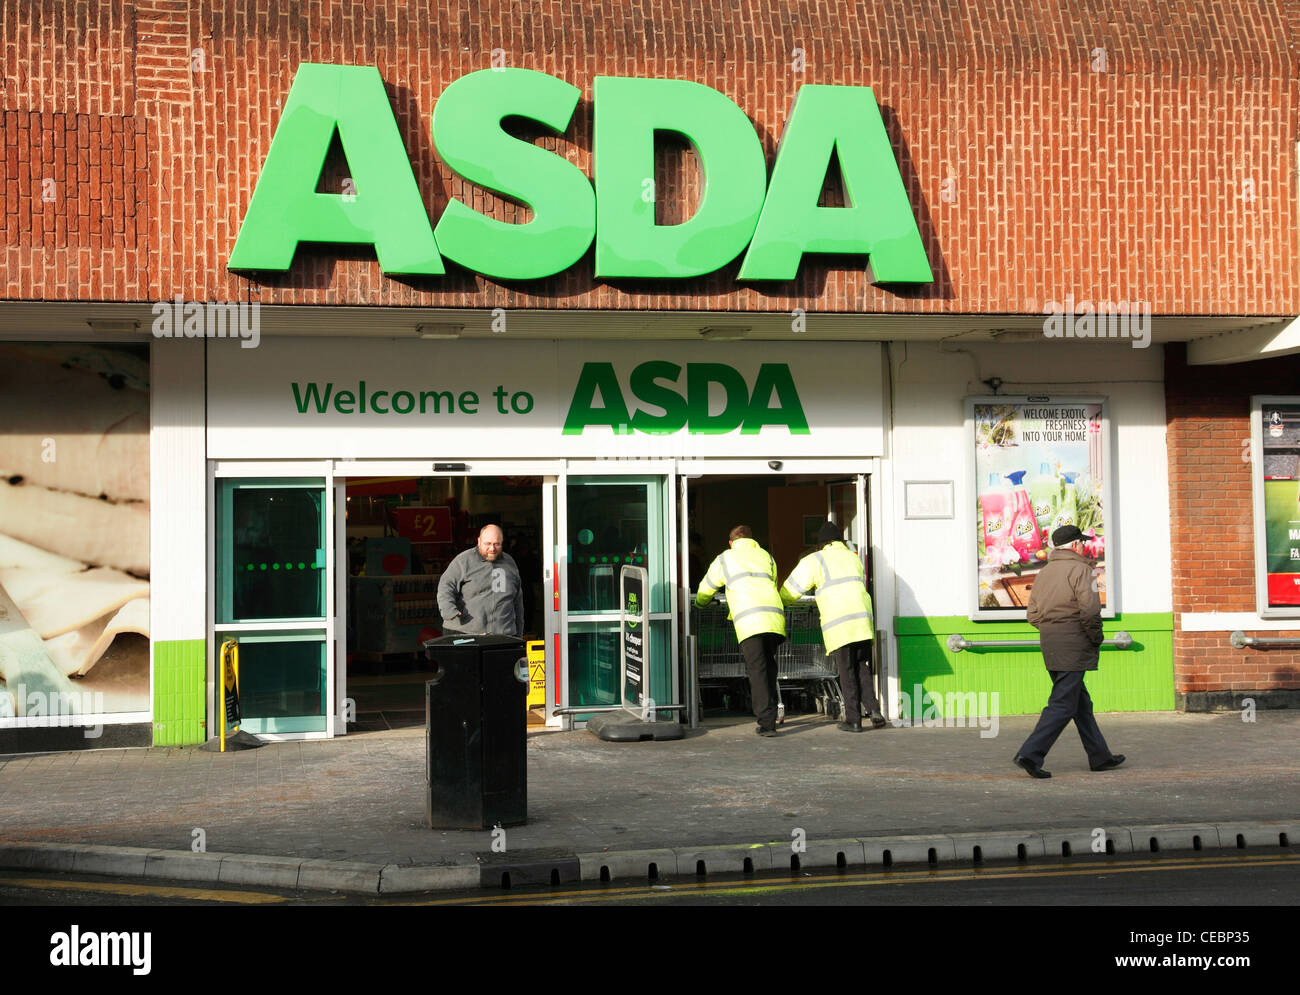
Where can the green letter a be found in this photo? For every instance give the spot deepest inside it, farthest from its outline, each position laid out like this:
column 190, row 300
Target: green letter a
column 788, row 411
column 582, row 410
column 386, row 210
column 878, row 219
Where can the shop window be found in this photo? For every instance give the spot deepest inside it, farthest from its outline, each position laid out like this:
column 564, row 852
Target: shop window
column 1275, row 475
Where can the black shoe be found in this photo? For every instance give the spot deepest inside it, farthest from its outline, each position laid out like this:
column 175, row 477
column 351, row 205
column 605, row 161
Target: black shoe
column 1112, row 763
column 1031, row 768
column 849, row 726
column 878, row 721
column 765, row 732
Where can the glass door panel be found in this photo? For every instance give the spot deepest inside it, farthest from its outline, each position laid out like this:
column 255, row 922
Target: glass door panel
column 612, row 522
column 609, row 526
column 270, row 552
column 282, row 682
column 843, row 509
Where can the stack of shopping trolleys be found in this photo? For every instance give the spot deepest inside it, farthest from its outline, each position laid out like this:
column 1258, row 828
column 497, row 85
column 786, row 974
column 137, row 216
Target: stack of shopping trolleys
column 802, row 664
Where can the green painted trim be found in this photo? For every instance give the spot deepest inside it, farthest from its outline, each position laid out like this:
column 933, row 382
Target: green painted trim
column 942, row 625
column 179, row 691
column 1135, row 680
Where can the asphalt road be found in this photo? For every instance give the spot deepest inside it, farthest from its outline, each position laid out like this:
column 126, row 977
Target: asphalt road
column 1208, row 913
column 1185, row 879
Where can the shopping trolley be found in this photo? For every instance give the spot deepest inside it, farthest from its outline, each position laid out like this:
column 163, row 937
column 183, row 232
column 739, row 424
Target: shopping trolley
column 800, row 660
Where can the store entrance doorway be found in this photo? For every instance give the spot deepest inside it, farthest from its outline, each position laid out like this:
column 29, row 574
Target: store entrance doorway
column 401, row 534
column 785, row 512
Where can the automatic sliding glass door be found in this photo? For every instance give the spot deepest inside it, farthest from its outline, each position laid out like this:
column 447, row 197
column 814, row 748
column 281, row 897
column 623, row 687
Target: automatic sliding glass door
column 612, row 522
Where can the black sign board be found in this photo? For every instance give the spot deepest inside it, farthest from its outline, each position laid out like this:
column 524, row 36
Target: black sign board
column 633, row 648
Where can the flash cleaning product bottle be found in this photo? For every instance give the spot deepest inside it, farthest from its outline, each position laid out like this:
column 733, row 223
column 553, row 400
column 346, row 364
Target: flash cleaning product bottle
column 1045, row 493
column 1067, row 512
column 1025, row 535
column 993, row 511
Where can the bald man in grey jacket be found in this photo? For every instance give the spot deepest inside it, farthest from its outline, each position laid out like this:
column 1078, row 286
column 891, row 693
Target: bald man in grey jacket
column 480, row 592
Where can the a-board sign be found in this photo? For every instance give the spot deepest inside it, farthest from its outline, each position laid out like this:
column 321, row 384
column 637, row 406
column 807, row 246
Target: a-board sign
column 634, row 648
column 536, row 672
column 229, row 667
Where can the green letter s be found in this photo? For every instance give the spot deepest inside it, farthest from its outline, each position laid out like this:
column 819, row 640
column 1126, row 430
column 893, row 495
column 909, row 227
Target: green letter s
column 646, row 389
column 467, row 134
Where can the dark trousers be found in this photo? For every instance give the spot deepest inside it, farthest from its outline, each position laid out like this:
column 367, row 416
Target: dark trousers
column 1069, row 700
column 853, row 662
column 760, row 663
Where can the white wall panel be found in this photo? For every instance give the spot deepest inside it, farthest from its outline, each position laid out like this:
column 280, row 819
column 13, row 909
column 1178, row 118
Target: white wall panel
column 178, row 489
column 933, row 566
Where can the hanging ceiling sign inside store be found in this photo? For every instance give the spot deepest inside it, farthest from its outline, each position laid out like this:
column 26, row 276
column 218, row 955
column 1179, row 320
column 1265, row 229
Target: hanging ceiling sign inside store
column 774, row 224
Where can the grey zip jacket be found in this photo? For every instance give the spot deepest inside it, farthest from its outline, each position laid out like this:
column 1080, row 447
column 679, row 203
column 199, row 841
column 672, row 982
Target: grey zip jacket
column 480, row 596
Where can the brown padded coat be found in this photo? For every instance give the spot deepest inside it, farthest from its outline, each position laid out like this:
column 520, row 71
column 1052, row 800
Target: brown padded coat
column 1066, row 611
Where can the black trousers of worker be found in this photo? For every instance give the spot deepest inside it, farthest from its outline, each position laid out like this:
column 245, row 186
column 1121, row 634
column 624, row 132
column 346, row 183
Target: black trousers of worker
column 853, row 661
column 1069, row 700
column 760, row 663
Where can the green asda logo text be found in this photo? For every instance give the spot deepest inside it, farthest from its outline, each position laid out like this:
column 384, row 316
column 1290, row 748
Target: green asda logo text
column 773, row 222
column 654, row 385
column 710, row 399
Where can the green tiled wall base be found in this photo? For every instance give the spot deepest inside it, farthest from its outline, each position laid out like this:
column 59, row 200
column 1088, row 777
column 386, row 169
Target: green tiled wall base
column 179, row 689
column 1138, row 679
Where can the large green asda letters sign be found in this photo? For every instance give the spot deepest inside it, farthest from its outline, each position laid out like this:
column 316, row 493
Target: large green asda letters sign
column 778, row 221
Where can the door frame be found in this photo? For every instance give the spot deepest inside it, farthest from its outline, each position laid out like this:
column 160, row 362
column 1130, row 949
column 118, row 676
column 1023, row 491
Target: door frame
column 547, row 470
column 865, row 471
column 334, row 475
column 612, row 469
column 264, row 470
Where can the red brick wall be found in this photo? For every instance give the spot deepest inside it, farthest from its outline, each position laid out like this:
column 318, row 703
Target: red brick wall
column 1211, row 518
column 1168, row 178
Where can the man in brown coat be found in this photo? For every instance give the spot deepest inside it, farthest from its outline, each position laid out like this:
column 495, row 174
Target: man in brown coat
column 1065, row 609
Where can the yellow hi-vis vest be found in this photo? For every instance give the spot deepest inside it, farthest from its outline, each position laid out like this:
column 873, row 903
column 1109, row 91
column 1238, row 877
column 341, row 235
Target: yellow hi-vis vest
column 835, row 573
column 748, row 572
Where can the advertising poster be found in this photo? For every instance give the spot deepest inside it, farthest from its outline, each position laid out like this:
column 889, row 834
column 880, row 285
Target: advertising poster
column 1281, row 470
column 74, row 532
column 1039, row 465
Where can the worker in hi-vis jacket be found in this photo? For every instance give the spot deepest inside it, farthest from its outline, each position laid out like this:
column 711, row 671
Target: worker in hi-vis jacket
column 748, row 572
column 835, row 573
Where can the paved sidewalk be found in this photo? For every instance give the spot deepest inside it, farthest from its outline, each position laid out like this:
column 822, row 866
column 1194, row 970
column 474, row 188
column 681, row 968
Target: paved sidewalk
column 353, row 808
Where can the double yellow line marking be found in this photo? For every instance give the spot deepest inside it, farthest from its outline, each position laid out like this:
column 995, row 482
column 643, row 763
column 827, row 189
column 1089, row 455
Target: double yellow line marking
column 151, row 890
column 682, row 887
column 678, row 888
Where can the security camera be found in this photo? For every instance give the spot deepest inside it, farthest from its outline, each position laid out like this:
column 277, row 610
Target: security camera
column 774, row 464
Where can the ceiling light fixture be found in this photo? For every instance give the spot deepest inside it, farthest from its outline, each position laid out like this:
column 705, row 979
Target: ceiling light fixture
column 439, row 330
